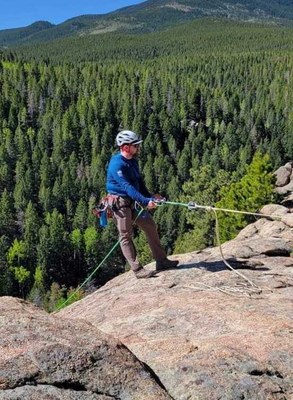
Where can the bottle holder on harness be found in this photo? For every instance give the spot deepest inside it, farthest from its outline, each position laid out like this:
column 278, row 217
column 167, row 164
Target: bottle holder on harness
column 103, row 211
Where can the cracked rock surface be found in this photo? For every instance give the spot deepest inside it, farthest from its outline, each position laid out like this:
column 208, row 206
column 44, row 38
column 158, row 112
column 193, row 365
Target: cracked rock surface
column 44, row 357
column 206, row 332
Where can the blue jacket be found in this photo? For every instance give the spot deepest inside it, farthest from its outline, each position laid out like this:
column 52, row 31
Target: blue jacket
column 123, row 179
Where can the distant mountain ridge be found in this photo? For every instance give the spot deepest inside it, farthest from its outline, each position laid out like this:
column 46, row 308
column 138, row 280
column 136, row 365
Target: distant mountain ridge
column 17, row 35
column 152, row 15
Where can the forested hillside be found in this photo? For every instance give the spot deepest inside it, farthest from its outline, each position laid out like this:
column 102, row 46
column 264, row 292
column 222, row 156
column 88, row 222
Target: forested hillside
column 206, row 37
column 216, row 117
column 152, row 16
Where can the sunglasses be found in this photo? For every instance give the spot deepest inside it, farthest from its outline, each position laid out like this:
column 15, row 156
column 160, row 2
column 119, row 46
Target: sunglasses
column 135, row 145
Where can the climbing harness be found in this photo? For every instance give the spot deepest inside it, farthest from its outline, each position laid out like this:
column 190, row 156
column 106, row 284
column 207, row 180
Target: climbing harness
column 104, row 210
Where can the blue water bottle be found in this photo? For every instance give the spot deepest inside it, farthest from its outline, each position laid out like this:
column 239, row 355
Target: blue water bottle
column 103, row 218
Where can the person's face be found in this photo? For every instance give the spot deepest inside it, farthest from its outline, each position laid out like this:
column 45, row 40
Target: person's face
column 130, row 150
column 134, row 149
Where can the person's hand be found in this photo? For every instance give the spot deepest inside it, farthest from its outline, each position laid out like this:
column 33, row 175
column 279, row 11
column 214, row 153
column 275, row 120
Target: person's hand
column 151, row 204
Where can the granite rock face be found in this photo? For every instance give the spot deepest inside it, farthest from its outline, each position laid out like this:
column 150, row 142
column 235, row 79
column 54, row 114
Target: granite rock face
column 45, row 357
column 284, row 179
column 283, row 174
column 209, row 332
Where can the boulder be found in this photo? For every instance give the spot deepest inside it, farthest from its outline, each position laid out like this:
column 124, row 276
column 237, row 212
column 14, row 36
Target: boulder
column 274, row 210
column 210, row 330
column 283, row 175
column 288, row 220
column 47, row 357
column 284, row 183
column 263, row 237
column 287, row 189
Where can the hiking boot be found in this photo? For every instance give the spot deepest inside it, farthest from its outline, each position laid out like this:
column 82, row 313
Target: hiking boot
column 166, row 264
column 143, row 273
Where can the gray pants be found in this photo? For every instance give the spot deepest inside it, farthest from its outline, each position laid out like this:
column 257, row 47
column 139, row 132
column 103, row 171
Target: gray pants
column 124, row 216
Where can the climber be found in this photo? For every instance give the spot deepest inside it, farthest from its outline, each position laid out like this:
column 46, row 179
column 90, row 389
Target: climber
column 126, row 188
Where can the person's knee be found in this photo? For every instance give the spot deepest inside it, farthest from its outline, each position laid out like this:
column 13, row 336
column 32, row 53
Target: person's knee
column 125, row 236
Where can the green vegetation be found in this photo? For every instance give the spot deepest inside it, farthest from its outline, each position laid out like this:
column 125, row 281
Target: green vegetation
column 253, row 190
column 205, row 37
column 213, row 103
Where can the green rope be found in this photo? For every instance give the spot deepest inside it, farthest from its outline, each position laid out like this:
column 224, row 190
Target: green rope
column 89, row 277
column 95, row 270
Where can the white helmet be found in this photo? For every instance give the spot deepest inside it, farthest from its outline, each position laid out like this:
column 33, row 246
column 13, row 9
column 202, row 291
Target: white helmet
column 127, row 137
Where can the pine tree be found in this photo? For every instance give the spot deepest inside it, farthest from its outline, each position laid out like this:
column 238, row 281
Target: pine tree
column 81, row 215
column 254, row 190
column 38, row 293
column 7, row 220
column 31, row 234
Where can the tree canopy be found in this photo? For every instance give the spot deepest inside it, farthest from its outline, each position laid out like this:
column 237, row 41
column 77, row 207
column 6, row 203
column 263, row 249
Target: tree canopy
column 214, row 123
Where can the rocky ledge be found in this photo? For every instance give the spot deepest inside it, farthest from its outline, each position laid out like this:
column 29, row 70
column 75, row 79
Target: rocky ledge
column 46, row 357
column 209, row 332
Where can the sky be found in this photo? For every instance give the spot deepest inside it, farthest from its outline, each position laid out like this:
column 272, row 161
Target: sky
column 19, row 13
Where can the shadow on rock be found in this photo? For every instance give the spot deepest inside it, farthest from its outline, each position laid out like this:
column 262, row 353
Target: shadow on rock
column 217, row 266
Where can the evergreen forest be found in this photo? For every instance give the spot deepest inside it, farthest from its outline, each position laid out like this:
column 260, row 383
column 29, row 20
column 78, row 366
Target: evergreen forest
column 213, row 102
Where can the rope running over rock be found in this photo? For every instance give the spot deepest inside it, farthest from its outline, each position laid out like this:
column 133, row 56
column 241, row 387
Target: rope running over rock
column 248, row 290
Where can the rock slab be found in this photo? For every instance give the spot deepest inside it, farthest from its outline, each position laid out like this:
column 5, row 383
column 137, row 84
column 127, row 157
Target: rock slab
column 44, row 357
column 208, row 332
